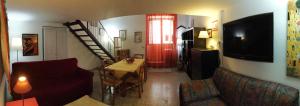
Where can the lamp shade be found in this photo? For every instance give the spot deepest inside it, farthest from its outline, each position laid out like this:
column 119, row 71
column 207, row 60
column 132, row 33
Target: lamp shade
column 16, row 43
column 22, row 86
column 203, row 34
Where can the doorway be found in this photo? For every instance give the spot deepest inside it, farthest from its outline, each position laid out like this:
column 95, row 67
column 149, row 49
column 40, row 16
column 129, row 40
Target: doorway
column 55, row 43
column 161, row 40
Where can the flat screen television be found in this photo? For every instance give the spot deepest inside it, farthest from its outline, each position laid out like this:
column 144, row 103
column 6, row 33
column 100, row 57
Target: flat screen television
column 249, row 38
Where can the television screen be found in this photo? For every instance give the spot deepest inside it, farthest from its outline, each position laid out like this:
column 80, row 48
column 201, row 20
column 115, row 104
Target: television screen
column 249, row 38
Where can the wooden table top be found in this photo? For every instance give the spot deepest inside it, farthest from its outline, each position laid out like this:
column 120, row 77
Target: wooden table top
column 126, row 67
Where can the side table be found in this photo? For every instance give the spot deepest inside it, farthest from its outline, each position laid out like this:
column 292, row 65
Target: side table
column 27, row 102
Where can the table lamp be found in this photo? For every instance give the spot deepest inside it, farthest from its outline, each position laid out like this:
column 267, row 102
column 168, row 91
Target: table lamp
column 22, row 86
column 16, row 45
column 203, row 35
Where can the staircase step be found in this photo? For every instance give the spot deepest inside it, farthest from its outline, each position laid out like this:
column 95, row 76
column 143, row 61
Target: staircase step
column 86, row 38
column 106, row 58
column 90, row 43
column 73, row 23
column 94, row 47
column 103, row 55
column 75, row 26
column 99, row 51
column 81, row 33
column 78, row 30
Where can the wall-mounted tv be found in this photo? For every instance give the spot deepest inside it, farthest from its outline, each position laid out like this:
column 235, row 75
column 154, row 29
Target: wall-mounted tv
column 249, row 38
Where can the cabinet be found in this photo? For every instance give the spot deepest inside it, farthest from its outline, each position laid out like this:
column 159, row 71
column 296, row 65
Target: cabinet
column 203, row 63
column 55, row 43
column 122, row 54
column 190, row 40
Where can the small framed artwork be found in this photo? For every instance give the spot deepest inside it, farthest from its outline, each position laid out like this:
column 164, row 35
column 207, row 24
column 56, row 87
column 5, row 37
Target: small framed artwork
column 122, row 34
column 215, row 25
column 137, row 37
column 117, row 42
column 30, row 44
column 209, row 31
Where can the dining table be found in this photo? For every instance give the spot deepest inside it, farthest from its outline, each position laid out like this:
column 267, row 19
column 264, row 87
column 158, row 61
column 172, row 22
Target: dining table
column 122, row 68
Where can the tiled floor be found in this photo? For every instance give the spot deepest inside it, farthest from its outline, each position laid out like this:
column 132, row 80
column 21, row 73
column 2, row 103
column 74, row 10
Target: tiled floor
column 161, row 89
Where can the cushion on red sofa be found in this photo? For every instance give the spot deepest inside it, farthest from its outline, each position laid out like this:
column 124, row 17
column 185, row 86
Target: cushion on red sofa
column 65, row 89
column 45, row 69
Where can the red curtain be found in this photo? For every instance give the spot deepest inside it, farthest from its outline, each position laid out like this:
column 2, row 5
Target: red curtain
column 4, row 48
column 161, row 40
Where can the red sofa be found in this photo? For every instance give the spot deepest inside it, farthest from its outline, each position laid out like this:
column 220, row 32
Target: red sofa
column 55, row 82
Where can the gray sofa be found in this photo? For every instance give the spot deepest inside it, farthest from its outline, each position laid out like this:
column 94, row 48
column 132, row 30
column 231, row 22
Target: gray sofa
column 233, row 89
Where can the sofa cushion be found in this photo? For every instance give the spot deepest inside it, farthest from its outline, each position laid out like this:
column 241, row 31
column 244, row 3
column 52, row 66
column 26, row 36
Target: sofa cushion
column 209, row 102
column 45, row 69
column 236, row 89
column 198, row 90
column 49, row 90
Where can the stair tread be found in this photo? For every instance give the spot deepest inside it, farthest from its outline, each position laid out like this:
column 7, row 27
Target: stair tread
column 73, row 23
column 87, row 40
column 99, row 52
column 83, row 35
column 78, row 30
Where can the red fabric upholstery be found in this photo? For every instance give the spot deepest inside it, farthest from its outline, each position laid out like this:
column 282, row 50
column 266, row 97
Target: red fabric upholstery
column 55, row 82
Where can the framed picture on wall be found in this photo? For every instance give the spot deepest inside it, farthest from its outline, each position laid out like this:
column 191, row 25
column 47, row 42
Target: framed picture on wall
column 137, row 37
column 209, row 31
column 117, row 42
column 30, row 44
column 122, row 34
column 215, row 25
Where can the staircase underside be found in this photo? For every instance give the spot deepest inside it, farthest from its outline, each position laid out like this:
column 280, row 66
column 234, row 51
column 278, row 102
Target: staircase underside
column 88, row 39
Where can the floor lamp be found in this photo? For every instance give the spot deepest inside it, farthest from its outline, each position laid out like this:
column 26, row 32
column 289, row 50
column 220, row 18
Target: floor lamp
column 16, row 45
column 22, row 87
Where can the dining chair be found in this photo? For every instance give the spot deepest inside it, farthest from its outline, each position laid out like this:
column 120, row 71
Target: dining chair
column 138, row 56
column 141, row 56
column 109, row 83
column 136, row 81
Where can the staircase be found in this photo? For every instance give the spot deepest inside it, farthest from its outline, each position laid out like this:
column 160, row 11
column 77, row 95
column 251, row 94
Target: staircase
column 89, row 39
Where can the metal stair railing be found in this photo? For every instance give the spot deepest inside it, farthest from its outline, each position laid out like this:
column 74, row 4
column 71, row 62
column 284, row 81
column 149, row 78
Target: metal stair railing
column 101, row 34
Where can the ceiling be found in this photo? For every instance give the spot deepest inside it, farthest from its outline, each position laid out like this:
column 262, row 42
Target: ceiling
column 66, row 10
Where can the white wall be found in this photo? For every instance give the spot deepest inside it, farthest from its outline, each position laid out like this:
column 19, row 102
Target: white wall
column 268, row 71
column 133, row 23
column 86, row 59
column 76, row 49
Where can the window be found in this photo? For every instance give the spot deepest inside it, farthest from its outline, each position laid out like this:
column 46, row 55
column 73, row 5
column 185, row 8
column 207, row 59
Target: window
column 161, row 29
